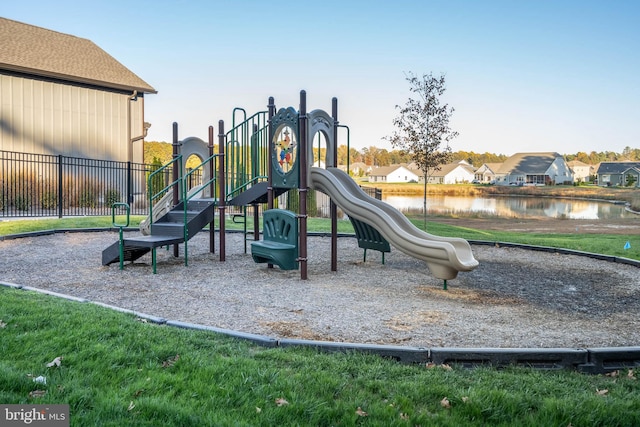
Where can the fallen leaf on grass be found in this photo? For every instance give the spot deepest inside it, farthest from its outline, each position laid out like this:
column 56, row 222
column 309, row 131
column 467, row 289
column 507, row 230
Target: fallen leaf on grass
column 361, row 413
column 131, row 406
column 37, row 393
column 281, row 402
column 171, row 361
column 631, row 375
column 258, row 409
column 612, row 374
column 445, row 403
column 444, row 366
column 2, row 324
column 55, row 362
column 602, row 392
column 404, row 416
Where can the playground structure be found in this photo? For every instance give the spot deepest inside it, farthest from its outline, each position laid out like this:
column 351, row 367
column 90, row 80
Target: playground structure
column 262, row 157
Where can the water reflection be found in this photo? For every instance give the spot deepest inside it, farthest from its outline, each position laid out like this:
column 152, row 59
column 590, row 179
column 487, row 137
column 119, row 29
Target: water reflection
column 510, row 207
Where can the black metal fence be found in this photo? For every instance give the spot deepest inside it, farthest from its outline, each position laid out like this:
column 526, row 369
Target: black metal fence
column 41, row 185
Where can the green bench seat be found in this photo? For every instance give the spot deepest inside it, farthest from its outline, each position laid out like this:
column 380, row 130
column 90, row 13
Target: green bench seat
column 369, row 238
column 280, row 240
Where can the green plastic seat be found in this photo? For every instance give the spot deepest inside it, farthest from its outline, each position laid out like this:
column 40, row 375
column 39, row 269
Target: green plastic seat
column 280, row 240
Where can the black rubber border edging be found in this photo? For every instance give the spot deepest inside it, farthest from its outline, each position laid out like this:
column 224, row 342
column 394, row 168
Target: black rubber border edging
column 596, row 360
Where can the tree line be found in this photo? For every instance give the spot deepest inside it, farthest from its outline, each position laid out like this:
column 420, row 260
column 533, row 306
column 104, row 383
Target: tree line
column 374, row 156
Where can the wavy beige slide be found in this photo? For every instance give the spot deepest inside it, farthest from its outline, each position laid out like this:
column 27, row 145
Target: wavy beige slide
column 444, row 256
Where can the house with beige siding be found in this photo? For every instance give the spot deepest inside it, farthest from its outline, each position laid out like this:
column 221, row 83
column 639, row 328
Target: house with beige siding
column 452, row 173
column 62, row 94
column 486, row 174
column 582, row 172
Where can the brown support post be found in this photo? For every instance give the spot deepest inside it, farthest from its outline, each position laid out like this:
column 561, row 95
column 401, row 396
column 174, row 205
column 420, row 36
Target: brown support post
column 302, row 187
column 212, row 193
column 176, row 172
column 272, row 112
column 222, row 194
column 333, row 207
column 254, row 173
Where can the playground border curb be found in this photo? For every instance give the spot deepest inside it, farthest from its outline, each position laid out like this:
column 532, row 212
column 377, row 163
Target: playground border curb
column 596, row 360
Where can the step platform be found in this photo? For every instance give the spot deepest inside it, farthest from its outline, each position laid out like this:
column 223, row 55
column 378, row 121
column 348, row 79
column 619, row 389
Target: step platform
column 136, row 247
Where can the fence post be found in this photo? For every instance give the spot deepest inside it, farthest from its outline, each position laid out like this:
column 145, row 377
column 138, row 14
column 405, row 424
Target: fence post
column 60, row 197
column 129, row 184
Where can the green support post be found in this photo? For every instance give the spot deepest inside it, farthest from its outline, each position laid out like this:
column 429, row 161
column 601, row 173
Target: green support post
column 120, row 227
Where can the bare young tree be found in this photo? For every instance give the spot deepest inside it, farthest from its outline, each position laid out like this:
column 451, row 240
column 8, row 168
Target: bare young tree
column 423, row 127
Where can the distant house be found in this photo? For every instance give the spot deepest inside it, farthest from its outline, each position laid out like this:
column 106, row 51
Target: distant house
column 582, row 172
column 486, row 173
column 619, row 174
column 392, row 174
column 452, row 173
column 359, row 168
column 534, row 169
column 62, row 94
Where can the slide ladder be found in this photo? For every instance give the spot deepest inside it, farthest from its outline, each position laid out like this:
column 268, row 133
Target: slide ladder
column 170, row 229
column 176, row 225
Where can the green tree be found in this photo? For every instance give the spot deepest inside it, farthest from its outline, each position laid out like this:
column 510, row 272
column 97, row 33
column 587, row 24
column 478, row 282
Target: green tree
column 423, row 126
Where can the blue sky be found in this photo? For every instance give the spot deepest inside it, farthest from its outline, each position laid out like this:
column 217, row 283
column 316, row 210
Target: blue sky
column 521, row 75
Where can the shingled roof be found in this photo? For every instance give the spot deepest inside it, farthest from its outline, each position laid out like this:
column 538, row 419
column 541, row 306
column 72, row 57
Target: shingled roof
column 616, row 167
column 528, row 163
column 37, row 51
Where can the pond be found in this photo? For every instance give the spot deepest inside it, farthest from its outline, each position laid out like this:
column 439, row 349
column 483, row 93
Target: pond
column 510, row 207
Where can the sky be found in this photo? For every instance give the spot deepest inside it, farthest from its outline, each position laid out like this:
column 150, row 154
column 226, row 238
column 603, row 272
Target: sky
column 521, row 75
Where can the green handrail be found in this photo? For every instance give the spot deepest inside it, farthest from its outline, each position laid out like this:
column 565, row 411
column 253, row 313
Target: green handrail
column 120, row 227
column 186, row 197
column 246, row 150
column 153, row 196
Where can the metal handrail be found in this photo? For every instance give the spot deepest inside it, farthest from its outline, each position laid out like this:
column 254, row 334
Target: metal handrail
column 186, row 197
column 178, row 181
